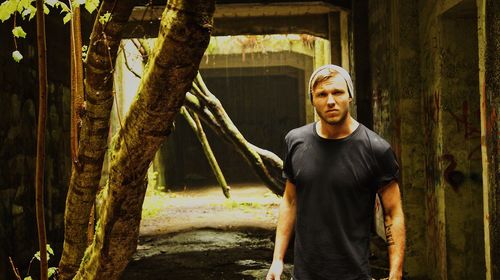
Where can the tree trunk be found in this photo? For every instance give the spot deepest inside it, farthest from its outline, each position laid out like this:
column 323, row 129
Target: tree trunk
column 92, row 143
column 183, row 38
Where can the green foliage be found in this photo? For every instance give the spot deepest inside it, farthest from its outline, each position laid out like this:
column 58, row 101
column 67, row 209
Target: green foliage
column 84, row 52
column 51, row 270
column 67, row 17
column 7, row 8
column 91, row 5
column 105, row 18
column 26, row 9
column 17, row 56
column 18, row 32
column 49, row 252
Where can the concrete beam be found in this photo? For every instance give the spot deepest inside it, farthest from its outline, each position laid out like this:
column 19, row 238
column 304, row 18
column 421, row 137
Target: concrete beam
column 248, row 19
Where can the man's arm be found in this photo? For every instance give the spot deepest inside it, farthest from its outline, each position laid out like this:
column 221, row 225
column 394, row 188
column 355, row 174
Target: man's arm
column 286, row 222
column 394, row 228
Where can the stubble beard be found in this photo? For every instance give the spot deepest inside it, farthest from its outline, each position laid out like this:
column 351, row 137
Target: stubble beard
column 338, row 122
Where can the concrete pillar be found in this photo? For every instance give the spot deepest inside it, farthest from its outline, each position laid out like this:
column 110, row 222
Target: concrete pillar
column 334, row 37
column 397, row 113
column 361, row 64
column 489, row 83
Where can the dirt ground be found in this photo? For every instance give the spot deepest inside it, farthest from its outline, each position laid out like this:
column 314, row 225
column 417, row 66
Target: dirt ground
column 199, row 234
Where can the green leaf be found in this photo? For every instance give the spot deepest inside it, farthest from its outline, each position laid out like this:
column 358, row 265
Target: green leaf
column 105, row 18
column 91, row 5
column 67, row 18
column 7, row 8
column 17, row 56
column 37, row 255
column 49, row 249
column 19, row 32
column 49, row 252
column 27, row 278
column 22, row 5
column 51, row 271
column 64, row 7
column 32, row 10
column 46, row 9
column 51, row 3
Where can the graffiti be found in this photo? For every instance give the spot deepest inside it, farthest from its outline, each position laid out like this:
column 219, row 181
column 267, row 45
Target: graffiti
column 453, row 177
column 463, row 120
column 470, row 130
column 491, row 125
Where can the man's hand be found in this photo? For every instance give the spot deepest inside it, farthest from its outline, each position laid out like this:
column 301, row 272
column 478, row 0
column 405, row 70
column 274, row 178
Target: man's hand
column 275, row 271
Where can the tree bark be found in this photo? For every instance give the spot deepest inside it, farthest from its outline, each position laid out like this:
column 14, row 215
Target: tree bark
column 184, row 36
column 40, row 141
column 266, row 165
column 92, row 143
column 195, row 124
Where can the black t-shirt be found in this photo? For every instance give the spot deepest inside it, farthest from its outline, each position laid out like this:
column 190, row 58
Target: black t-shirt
column 336, row 182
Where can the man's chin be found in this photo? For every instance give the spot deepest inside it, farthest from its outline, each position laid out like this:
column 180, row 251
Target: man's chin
column 334, row 121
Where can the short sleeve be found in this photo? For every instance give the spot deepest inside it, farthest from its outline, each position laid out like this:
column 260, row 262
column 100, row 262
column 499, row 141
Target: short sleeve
column 388, row 168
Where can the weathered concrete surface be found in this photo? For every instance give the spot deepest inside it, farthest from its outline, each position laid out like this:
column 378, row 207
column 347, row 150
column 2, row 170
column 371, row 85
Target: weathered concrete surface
column 489, row 84
column 18, row 103
column 425, row 102
column 397, row 113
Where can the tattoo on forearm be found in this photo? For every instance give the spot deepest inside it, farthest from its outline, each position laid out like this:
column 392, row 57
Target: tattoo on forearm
column 388, row 235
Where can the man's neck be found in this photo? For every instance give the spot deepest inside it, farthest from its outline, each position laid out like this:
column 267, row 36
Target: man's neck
column 336, row 131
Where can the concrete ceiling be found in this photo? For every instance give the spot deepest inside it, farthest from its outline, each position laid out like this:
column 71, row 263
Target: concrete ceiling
column 249, row 17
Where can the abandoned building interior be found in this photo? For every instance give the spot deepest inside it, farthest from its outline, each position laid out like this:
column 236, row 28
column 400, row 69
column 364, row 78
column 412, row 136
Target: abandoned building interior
column 426, row 76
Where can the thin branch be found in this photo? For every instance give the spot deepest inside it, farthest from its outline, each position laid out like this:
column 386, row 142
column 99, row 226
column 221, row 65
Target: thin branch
column 128, row 65
column 40, row 143
column 213, row 114
column 195, row 124
column 14, row 269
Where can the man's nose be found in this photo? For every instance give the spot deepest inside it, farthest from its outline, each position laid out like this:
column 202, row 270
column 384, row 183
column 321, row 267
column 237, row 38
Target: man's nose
column 330, row 100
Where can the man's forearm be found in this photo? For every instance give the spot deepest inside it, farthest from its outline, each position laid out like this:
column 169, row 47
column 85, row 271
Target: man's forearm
column 395, row 236
column 284, row 229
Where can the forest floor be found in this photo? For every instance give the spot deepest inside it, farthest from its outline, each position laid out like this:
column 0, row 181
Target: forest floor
column 199, row 234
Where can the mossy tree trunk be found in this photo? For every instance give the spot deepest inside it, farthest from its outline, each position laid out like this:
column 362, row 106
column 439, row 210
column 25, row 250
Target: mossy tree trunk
column 92, row 143
column 183, row 38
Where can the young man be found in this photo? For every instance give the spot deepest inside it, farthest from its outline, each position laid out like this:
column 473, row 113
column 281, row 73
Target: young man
column 334, row 168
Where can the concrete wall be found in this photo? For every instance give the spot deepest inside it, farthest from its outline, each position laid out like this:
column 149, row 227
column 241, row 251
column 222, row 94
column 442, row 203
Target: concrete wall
column 18, row 113
column 424, row 69
column 397, row 114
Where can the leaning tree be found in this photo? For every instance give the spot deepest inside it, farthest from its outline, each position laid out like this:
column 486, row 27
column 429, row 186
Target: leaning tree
column 170, row 80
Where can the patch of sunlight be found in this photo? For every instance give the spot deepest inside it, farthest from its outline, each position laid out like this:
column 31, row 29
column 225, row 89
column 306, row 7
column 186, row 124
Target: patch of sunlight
column 245, row 206
column 300, row 43
column 154, row 201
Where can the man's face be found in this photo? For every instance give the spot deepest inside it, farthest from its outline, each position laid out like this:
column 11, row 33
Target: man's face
column 331, row 100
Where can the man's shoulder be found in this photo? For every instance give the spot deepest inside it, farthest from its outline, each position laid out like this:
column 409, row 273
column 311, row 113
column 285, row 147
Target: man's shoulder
column 299, row 132
column 377, row 142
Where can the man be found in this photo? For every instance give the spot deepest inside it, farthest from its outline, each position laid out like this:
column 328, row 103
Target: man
column 334, row 168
